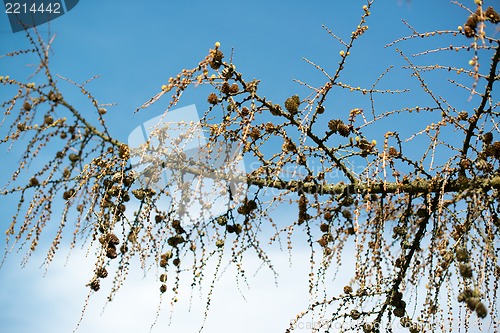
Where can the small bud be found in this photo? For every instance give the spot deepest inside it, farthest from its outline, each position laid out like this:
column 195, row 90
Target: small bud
column 95, row 285
column 212, row 99
column 481, row 310
column 355, row 314
column 347, row 289
column 34, row 182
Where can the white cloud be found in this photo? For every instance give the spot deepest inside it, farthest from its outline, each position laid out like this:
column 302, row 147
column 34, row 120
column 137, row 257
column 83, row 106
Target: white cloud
column 31, row 303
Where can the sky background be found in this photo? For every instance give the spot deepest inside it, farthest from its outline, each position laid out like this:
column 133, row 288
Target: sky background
column 135, row 47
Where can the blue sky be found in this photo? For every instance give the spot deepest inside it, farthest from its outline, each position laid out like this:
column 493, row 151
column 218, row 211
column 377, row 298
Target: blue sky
column 135, row 47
